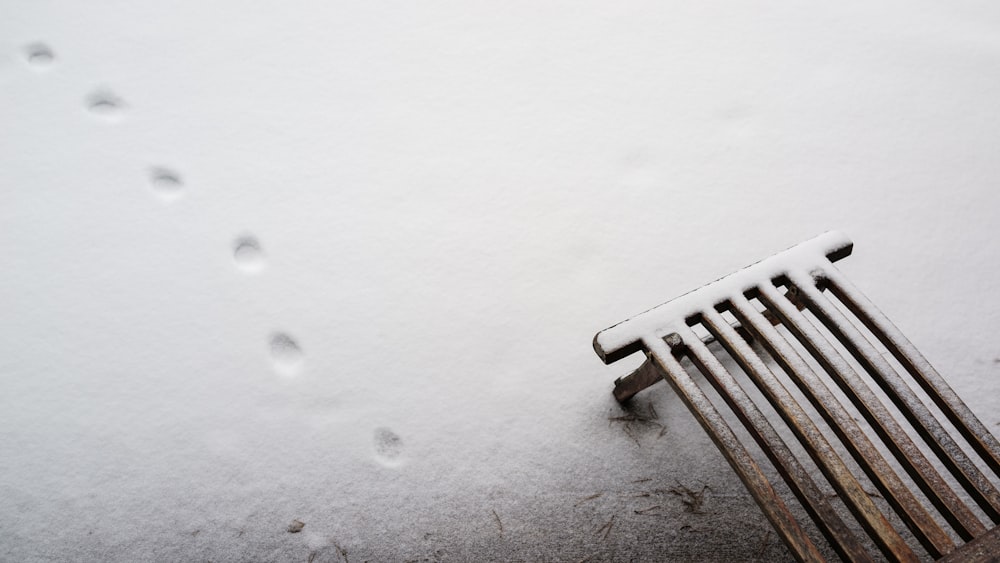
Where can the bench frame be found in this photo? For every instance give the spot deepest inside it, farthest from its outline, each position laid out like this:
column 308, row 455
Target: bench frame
column 801, row 292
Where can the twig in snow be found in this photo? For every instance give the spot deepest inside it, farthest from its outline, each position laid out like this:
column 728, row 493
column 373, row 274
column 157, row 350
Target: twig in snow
column 340, row 550
column 763, row 545
column 499, row 523
column 631, row 419
column 629, row 433
column 692, row 500
column 606, row 528
column 585, row 499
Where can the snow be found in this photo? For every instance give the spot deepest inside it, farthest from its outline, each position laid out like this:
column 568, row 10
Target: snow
column 342, row 264
column 661, row 320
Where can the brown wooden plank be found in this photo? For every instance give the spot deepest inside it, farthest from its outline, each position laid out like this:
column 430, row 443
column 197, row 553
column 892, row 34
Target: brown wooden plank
column 909, row 404
column 984, row 549
column 798, row 479
column 644, row 376
column 881, row 420
column 918, row 367
column 810, row 436
column 871, row 461
column 798, row 542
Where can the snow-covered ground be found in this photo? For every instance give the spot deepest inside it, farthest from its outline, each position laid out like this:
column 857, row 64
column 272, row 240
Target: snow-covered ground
column 342, row 263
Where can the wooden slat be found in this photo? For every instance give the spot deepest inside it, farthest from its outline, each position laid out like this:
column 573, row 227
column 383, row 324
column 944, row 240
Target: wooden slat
column 644, row 376
column 798, row 479
column 918, row 367
column 984, row 549
column 882, row 422
column 908, row 403
column 645, row 331
column 798, row 542
column 871, row 461
column 828, row 461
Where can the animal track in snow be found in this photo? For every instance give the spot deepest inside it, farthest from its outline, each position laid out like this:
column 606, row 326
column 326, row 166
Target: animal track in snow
column 166, row 183
column 105, row 103
column 388, row 447
column 640, row 171
column 39, row 55
column 248, row 254
column 286, row 354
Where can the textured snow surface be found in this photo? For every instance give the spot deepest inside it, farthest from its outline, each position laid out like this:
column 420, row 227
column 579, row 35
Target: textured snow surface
column 803, row 257
column 341, row 263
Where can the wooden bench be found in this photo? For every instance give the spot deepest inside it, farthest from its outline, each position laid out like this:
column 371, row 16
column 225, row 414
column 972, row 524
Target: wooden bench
column 802, row 346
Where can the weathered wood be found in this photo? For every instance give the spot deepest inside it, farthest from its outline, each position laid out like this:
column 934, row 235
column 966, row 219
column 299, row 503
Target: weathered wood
column 664, row 333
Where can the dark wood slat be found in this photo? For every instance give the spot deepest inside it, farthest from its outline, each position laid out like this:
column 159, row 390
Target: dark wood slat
column 644, row 376
column 984, row 549
column 882, row 475
column 930, row 429
column 810, row 436
column 889, row 431
column 798, row 542
column 918, row 367
column 836, row 347
column 798, row 479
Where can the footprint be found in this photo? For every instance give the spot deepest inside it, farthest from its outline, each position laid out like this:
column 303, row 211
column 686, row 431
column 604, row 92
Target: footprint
column 247, row 254
column 737, row 121
column 286, row 354
column 640, row 171
column 388, row 447
column 105, row 103
column 166, row 183
column 39, row 55
column 736, row 112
